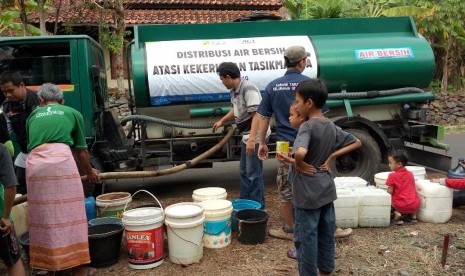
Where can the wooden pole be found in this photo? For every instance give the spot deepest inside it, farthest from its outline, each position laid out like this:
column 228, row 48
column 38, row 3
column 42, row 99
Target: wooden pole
column 445, row 248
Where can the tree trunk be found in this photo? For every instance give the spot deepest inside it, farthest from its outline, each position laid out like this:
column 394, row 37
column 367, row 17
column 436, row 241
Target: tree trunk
column 120, row 30
column 42, row 17
column 23, row 17
column 445, row 68
column 57, row 14
column 120, row 74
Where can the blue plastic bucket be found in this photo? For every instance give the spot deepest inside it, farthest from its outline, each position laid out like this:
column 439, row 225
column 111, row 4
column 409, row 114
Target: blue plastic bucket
column 91, row 211
column 241, row 204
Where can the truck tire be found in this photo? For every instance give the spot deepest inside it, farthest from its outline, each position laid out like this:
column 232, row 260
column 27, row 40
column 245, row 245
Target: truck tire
column 363, row 162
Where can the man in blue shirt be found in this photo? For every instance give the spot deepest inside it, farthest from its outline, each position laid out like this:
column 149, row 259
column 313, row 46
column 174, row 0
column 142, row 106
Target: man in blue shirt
column 278, row 97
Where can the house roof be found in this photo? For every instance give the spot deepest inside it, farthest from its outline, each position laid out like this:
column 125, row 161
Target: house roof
column 182, row 16
column 139, row 12
column 235, row 3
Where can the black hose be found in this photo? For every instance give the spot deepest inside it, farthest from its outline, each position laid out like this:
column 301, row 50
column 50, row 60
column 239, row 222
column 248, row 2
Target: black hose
column 168, row 123
column 374, row 93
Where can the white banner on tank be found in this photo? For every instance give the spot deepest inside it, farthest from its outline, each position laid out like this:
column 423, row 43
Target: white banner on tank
column 185, row 70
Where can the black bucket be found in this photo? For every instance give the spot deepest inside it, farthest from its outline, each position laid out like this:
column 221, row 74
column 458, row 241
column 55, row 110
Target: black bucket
column 104, row 244
column 252, row 226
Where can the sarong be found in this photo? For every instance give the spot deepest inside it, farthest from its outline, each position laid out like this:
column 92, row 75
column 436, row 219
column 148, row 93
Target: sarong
column 58, row 231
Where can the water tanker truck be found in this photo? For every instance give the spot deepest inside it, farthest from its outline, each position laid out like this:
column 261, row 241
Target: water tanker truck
column 375, row 69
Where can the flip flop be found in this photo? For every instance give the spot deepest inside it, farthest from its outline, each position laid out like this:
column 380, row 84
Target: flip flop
column 398, row 222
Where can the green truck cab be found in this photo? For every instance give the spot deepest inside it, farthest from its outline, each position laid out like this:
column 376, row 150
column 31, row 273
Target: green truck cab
column 375, row 69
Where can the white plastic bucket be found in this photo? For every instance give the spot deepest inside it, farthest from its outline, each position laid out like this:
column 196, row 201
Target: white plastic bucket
column 380, row 179
column 184, row 223
column 217, row 226
column 419, row 173
column 209, row 193
column 112, row 204
column 144, row 235
column 436, row 202
column 346, row 208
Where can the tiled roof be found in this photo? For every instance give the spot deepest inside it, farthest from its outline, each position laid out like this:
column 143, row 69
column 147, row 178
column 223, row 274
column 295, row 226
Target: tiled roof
column 170, row 11
column 178, row 16
column 209, row 2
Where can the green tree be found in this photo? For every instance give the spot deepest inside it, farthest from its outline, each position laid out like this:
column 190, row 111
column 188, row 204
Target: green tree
column 10, row 23
column 441, row 22
column 112, row 35
column 445, row 30
column 305, row 9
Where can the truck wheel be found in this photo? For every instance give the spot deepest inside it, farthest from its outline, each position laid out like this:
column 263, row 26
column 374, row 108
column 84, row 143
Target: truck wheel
column 363, row 162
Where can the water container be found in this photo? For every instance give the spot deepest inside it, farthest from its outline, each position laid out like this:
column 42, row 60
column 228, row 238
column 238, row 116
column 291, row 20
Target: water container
column 252, row 226
column 209, row 193
column 112, row 204
column 184, row 223
column 436, row 202
column 346, row 208
column 374, row 208
column 19, row 214
column 380, row 179
column 351, row 182
column 104, row 244
column 91, row 213
column 418, row 172
column 241, row 204
column 145, row 235
column 217, row 226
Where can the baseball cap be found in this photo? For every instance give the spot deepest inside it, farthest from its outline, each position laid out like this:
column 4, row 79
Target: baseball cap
column 295, row 53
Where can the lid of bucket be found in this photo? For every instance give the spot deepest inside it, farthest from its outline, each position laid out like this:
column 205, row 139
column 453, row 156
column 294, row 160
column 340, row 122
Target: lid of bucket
column 382, row 175
column 215, row 204
column 183, row 210
column 143, row 214
column 209, row 191
column 416, row 169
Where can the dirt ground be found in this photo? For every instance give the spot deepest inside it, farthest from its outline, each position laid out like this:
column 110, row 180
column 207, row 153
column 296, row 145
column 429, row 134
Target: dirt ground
column 410, row 249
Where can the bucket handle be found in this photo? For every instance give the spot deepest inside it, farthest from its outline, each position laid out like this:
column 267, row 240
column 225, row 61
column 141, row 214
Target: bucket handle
column 239, row 228
column 197, row 244
column 154, row 197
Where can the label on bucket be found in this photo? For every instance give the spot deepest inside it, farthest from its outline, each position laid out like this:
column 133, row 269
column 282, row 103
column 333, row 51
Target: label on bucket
column 145, row 247
column 217, row 233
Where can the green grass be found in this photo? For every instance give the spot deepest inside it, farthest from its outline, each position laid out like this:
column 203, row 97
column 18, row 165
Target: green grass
column 454, row 129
